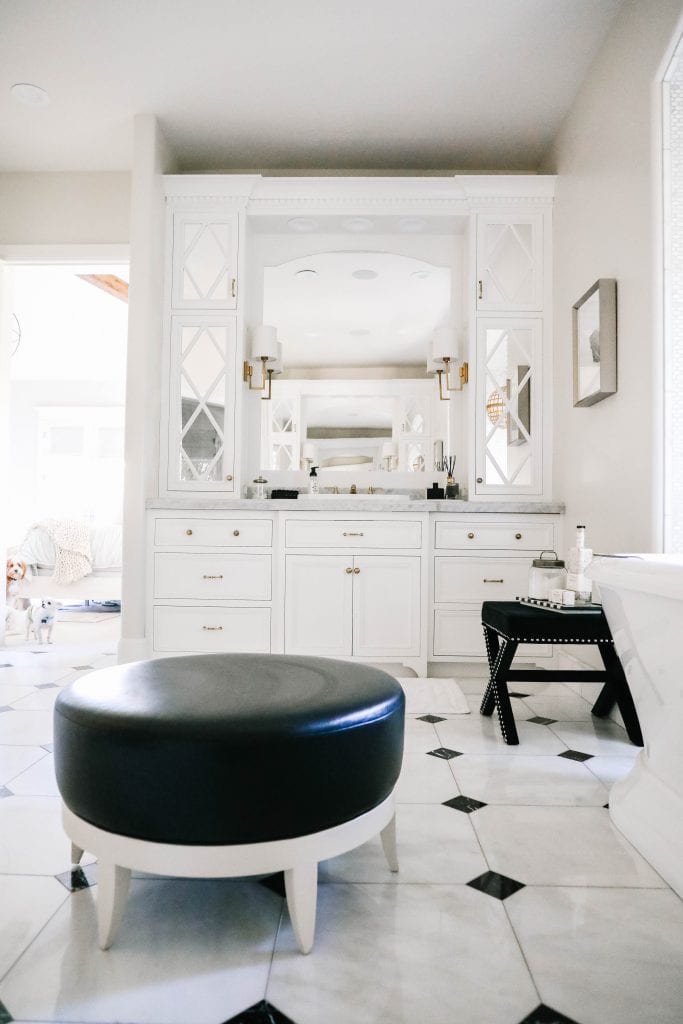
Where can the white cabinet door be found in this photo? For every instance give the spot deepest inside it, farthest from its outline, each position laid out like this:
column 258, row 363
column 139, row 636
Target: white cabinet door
column 204, row 260
column 201, row 421
column 509, row 263
column 386, row 606
column 318, row 603
column 509, row 407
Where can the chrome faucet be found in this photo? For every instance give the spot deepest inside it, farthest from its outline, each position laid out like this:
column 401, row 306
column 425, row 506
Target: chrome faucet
column 353, row 489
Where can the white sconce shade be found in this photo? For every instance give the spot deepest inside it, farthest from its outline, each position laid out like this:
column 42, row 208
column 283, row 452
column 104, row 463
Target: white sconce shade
column 389, row 450
column 277, row 365
column 445, row 344
column 264, row 342
column 433, row 365
column 308, row 451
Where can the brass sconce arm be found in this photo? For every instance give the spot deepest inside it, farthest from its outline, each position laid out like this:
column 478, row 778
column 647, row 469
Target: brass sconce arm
column 266, row 378
column 463, row 374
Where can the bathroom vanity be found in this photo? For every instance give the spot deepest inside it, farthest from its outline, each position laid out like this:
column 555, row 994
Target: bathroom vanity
column 355, row 277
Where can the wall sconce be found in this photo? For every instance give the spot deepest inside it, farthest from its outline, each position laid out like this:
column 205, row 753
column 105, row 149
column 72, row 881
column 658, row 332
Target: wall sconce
column 309, row 455
column 389, row 455
column 445, row 350
column 267, row 349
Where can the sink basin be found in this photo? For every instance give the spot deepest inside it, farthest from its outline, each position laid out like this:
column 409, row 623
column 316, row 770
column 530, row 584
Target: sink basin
column 360, row 498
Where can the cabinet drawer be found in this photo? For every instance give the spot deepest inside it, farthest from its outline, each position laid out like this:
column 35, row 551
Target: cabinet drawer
column 522, row 535
column 222, row 577
column 480, row 579
column 227, row 533
column 340, row 533
column 205, row 630
column 458, row 633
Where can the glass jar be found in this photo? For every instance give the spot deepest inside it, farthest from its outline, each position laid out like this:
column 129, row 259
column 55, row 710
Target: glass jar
column 260, row 487
column 546, row 574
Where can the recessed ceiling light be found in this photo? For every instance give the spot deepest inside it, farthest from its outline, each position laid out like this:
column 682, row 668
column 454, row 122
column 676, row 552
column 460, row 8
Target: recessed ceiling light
column 411, row 224
column 302, row 224
column 420, row 275
column 359, row 332
column 307, row 274
column 364, row 275
column 29, row 95
column 357, row 224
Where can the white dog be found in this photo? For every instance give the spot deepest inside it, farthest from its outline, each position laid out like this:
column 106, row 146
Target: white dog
column 41, row 618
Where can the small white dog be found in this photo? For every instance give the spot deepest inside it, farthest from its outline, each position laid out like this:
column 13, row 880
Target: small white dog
column 41, row 618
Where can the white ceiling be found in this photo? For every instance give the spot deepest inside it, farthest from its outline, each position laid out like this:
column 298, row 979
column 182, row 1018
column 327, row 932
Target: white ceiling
column 343, row 84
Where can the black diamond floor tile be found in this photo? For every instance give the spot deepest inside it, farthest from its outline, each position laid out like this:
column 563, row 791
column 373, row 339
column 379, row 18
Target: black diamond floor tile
column 4, row 791
column 5, row 1016
column 445, row 752
column 45, row 686
column 276, row 883
column 496, row 885
column 464, row 803
column 539, row 720
column 518, row 694
column 7, row 664
column 261, row 1013
column 546, row 1015
column 575, row 755
column 78, row 878
column 81, row 668
column 430, row 718
column 47, row 746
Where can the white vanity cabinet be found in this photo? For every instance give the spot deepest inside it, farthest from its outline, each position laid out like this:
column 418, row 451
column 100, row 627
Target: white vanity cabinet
column 204, row 259
column 355, row 588
column 479, row 558
column 211, row 582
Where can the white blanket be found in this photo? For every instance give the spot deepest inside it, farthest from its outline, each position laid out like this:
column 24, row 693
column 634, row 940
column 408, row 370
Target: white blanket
column 73, row 557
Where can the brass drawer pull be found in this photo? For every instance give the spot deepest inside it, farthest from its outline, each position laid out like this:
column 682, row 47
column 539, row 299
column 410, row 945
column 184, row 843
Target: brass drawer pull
column 356, row 571
column 188, row 533
column 493, row 581
column 233, row 287
column 470, row 536
column 350, row 534
column 480, row 289
column 213, row 628
column 212, row 577
column 348, row 571
column 518, row 536
column 235, row 533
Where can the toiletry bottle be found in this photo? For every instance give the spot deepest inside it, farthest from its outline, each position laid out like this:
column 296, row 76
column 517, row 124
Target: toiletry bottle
column 313, row 483
column 579, row 559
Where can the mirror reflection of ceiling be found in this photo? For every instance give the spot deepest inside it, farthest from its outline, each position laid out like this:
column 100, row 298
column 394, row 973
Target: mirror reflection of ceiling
column 346, row 412
column 339, row 309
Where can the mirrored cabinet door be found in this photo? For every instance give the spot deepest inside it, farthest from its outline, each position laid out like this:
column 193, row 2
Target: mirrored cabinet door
column 202, row 404
column 204, row 261
column 509, row 263
column 508, row 458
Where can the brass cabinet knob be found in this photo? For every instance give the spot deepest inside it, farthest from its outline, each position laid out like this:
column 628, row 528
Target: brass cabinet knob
column 480, row 479
column 470, row 536
column 235, row 533
column 356, row 571
column 188, row 533
column 518, row 536
column 228, row 476
column 348, row 571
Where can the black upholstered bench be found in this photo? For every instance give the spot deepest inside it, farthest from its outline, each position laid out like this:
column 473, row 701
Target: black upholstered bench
column 227, row 765
column 507, row 624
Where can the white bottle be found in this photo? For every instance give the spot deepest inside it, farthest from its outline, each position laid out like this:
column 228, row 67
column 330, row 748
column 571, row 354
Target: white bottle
column 579, row 559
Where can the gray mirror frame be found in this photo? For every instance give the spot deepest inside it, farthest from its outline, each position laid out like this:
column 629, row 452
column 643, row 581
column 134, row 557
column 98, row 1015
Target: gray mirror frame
column 606, row 287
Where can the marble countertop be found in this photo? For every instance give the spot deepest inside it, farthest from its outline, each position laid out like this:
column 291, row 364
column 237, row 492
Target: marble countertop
column 357, row 503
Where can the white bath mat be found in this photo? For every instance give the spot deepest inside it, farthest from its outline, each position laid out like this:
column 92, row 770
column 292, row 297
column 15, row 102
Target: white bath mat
column 433, row 697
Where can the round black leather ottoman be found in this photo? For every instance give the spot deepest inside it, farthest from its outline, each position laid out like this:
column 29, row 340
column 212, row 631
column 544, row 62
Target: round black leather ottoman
column 213, row 751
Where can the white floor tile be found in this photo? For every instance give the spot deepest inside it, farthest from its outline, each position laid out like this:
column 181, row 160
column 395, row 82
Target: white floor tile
column 480, row 734
column 26, row 728
column 604, row 956
column 188, row 952
column 14, row 760
column 32, row 841
column 30, row 673
column 38, row 780
column 27, row 905
column 424, row 780
column 560, row 846
column 9, row 692
column 569, row 708
column 435, row 845
column 399, row 954
column 38, row 700
column 610, row 769
column 532, row 779
column 419, row 736
column 598, row 736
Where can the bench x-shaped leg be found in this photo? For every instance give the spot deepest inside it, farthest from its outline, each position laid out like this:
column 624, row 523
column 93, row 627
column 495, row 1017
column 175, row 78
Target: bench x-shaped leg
column 500, row 657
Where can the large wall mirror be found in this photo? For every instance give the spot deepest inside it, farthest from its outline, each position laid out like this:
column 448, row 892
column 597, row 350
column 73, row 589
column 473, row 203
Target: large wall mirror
column 355, row 329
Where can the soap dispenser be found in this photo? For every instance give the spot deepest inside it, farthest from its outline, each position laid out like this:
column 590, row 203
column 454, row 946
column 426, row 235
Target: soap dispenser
column 313, row 482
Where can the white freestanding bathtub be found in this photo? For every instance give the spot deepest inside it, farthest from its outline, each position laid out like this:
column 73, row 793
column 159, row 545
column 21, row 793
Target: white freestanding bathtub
column 642, row 596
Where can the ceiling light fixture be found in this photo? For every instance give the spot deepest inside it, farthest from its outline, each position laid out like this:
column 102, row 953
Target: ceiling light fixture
column 411, row 224
column 364, row 275
column 420, row 275
column 302, row 224
column 357, row 224
column 29, row 95
column 307, row 274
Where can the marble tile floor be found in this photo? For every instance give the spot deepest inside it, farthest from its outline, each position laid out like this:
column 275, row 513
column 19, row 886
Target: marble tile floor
column 517, row 901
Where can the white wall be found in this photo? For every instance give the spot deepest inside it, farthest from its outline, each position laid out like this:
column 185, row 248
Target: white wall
column 58, row 209
column 607, row 458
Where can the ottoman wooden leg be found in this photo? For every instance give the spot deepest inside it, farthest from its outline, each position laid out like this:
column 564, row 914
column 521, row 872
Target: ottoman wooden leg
column 388, row 837
column 301, row 889
column 112, row 885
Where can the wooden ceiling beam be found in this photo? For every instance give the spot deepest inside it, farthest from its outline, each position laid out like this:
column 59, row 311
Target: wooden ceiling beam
column 108, row 283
